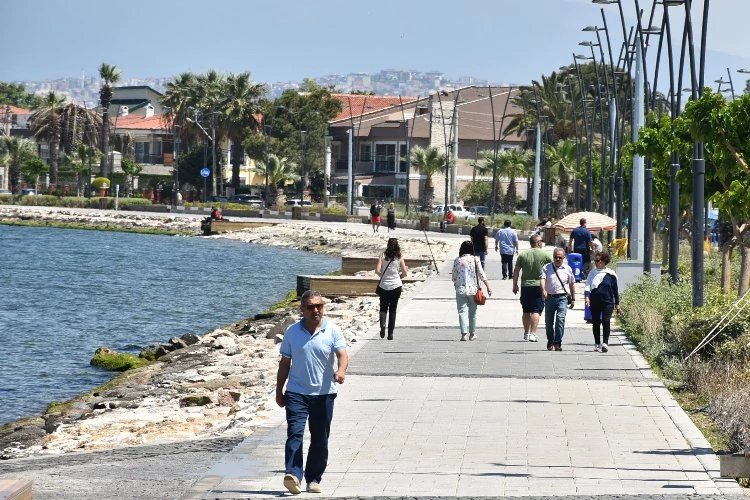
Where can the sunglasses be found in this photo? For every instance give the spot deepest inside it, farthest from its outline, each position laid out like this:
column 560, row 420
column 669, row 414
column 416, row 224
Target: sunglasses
column 597, row 260
column 559, row 258
column 312, row 307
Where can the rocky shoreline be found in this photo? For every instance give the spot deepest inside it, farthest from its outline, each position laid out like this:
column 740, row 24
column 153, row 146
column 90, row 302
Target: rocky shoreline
column 219, row 384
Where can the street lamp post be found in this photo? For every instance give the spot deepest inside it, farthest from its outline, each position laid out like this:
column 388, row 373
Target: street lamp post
column 589, row 133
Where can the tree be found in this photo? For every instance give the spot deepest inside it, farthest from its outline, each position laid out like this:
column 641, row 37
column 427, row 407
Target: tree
column 428, row 161
column 279, row 171
column 78, row 164
column 240, row 116
column 110, row 74
column 44, row 123
column 15, row 94
column 131, row 169
column 78, row 125
column 561, row 163
column 17, row 151
column 513, row 163
column 32, row 168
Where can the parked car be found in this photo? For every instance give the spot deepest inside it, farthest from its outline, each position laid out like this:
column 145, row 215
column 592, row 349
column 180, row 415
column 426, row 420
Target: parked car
column 5, row 191
column 298, row 203
column 458, row 210
column 217, row 199
column 247, row 199
column 28, row 192
column 477, row 211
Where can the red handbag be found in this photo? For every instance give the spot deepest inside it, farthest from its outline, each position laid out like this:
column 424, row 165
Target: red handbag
column 479, row 297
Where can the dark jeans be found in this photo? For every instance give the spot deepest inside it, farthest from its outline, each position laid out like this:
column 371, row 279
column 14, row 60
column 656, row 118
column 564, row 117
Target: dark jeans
column 507, row 261
column 601, row 314
column 388, row 304
column 317, row 411
column 555, row 310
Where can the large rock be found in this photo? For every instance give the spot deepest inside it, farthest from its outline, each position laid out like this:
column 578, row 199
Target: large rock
column 280, row 328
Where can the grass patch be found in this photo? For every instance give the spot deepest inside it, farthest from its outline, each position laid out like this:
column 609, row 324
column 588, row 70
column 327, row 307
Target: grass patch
column 695, row 406
column 287, row 301
column 97, row 227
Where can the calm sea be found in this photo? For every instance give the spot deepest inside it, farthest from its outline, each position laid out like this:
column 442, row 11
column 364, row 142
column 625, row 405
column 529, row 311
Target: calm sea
column 66, row 292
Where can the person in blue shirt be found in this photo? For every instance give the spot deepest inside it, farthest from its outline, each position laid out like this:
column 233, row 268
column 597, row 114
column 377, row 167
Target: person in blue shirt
column 506, row 242
column 582, row 242
column 307, row 368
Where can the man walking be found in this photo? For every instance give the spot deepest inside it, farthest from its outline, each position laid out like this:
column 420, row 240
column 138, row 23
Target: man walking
column 506, row 241
column 582, row 242
column 558, row 282
column 480, row 237
column 375, row 216
column 307, row 353
column 530, row 263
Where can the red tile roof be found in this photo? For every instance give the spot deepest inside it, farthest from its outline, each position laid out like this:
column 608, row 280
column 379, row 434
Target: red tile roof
column 355, row 105
column 14, row 110
column 132, row 122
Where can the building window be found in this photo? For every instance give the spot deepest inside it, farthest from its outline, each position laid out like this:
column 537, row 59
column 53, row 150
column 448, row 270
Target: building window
column 143, row 152
column 365, row 152
column 385, row 157
column 378, row 192
column 403, row 160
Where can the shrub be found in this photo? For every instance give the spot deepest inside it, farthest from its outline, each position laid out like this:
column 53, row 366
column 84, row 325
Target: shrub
column 337, row 210
column 40, row 200
column 134, row 202
column 99, row 182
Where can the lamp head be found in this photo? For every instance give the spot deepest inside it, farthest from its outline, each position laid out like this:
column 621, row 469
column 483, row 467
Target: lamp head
column 652, row 30
column 743, row 71
column 592, row 28
column 673, row 3
column 582, row 57
column 588, row 44
column 605, row 2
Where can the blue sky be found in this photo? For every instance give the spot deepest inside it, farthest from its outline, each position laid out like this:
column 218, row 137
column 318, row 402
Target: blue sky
column 504, row 41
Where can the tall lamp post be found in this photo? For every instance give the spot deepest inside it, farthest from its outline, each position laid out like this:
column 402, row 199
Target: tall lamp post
column 589, row 134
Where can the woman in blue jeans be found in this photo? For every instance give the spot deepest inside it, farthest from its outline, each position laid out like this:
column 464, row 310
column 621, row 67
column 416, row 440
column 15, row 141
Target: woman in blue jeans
column 466, row 268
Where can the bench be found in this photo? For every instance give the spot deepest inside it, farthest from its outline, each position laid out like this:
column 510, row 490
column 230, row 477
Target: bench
column 15, row 489
column 353, row 264
column 225, row 226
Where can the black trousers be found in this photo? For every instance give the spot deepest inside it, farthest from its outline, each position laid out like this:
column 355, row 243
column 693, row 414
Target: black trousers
column 601, row 315
column 507, row 262
column 388, row 304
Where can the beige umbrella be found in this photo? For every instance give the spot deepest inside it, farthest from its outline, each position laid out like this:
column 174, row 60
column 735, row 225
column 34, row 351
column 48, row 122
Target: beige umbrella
column 594, row 221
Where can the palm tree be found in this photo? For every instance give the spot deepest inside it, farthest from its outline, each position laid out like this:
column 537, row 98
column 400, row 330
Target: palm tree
column 562, row 163
column 17, row 151
column 32, row 168
column 513, row 163
column 110, row 74
column 78, row 125
column 279, row 172
column 428, row 161
column 241, row 115
column 44, row 123
column 77, row 164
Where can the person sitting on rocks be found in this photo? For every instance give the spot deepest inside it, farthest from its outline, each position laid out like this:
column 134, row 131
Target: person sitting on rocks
column 216, row 214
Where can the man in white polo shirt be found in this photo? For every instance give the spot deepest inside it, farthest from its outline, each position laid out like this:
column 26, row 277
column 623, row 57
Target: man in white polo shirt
column 306, row 366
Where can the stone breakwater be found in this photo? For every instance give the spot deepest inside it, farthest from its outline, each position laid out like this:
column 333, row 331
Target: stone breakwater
column 220, row 384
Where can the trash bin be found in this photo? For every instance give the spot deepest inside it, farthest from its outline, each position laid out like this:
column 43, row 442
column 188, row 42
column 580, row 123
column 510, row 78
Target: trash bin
column 296, row 212
column 575, row 261
column 424, row 223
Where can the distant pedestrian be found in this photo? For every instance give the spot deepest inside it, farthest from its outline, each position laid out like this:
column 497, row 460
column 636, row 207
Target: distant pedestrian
column 582, row 242
column 375, row 216
column 506, row 242
column 391, row 267
column 598, row 247
column 558, row 290
column 467, row 274
column 391, row 218
column 529, row 264
column 480, row 238
column 307, row 359
column 602, row 298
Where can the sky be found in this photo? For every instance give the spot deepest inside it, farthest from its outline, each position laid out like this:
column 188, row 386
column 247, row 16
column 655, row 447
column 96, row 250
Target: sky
column 503, row 41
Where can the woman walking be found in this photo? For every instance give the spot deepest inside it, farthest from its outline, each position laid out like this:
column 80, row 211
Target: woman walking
column 467, row 273
column 391, row 267
column 602, row 297
column 391, row 218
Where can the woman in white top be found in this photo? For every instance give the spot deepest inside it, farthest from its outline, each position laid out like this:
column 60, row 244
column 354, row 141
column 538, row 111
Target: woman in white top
column 466, row 268
column 390, row 268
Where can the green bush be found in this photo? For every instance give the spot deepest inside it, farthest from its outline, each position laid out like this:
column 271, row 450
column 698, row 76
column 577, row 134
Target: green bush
column 40, row 200
column 337, row 210
column 99, row 182
column 134, row 202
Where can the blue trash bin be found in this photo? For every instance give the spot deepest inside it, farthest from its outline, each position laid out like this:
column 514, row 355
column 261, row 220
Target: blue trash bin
column 575, row 261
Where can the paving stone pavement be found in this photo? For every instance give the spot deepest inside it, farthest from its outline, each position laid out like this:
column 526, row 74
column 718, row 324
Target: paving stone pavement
column 425, row 415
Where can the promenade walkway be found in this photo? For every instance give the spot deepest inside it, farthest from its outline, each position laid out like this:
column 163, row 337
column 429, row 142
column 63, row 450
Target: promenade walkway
column 427, row 415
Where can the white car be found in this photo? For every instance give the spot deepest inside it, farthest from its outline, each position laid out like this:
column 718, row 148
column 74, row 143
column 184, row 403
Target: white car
column 458, row 210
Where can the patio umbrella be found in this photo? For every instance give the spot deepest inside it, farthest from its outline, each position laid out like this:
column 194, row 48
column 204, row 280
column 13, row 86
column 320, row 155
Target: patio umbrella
column 594, row 221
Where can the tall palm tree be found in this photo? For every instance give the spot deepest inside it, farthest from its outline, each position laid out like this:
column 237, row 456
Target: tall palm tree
column 17, row 151
column 78, row 125
column 279, row 172
column 110, row 74
column 428, row 161
column 562, row 163
column 513, row 163
column 44, row 123
column 241, row 115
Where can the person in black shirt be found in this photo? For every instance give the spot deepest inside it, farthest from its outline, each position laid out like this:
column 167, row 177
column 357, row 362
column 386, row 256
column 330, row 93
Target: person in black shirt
column 375, row 216
column 480, row 237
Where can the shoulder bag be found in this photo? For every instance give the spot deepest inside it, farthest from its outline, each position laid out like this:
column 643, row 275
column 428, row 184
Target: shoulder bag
column 479, row 297
column 567, row 295
column 379, row 290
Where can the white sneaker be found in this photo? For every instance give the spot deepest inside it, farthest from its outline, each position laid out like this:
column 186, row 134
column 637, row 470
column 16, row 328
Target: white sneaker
column 598, row 348
column 472, row 336
column 526, row 336
column 605, row 348
column 463, row 337
column 533, row 338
